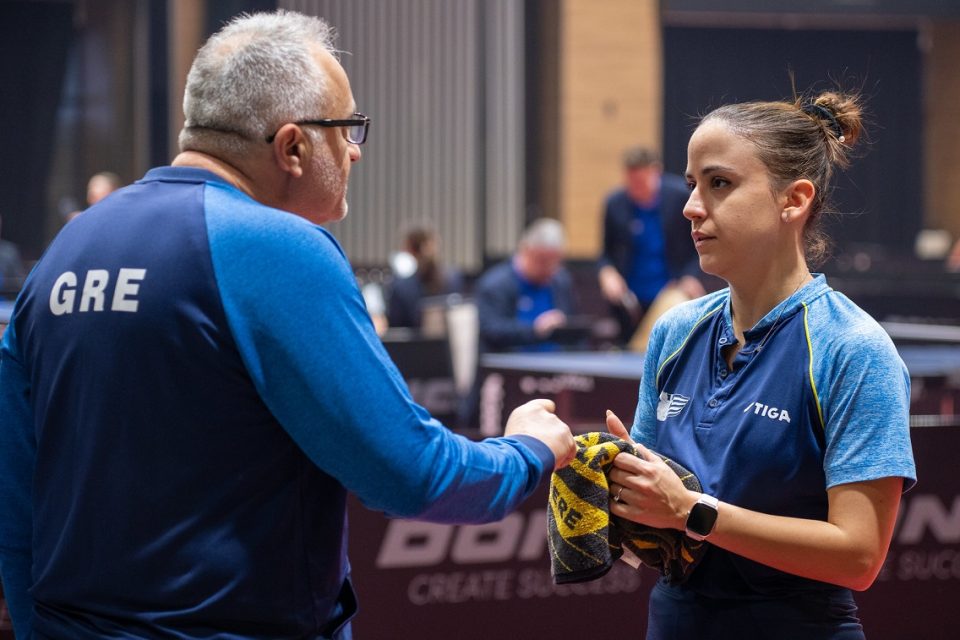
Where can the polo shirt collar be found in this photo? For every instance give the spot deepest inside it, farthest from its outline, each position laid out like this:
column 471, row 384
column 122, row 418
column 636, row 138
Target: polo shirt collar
column 804, row 295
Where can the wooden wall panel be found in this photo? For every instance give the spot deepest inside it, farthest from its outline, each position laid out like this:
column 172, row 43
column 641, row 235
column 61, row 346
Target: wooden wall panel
column 611, row 90
column 942, row 135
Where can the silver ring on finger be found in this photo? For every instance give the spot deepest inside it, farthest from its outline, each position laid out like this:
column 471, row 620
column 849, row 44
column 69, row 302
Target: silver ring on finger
column 616, row 498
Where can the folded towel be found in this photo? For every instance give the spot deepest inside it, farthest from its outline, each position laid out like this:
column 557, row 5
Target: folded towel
column 585, row 539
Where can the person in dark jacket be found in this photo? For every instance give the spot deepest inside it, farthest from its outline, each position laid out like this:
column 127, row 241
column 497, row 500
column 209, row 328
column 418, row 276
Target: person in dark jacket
column 521, row 302
column 646, row 241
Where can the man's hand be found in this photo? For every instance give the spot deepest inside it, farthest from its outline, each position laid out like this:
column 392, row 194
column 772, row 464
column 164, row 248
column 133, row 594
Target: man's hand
column 615, row 427
column 537, row 419
column 546, row 322
column 612, row 284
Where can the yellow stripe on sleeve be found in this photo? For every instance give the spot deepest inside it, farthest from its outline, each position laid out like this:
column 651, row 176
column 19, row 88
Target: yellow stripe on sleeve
column 813, row 384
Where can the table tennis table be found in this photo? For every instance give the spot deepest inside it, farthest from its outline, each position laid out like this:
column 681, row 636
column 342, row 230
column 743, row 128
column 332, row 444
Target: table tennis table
column 585, row 384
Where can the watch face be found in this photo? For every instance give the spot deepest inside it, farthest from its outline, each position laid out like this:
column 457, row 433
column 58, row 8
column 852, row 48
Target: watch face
column 702, row 518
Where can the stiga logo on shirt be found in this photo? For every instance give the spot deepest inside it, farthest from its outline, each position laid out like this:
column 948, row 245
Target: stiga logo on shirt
column 670, row 405
column 768, row 412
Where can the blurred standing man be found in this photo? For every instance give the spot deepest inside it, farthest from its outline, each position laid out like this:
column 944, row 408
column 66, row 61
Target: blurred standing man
column 190, row 383
column 646, row 240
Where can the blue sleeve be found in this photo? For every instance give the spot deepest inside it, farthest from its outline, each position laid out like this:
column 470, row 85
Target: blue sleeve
column 17, row 455
column 863, row 389
column 308, row 343
column 644, row 428
column 669, row 335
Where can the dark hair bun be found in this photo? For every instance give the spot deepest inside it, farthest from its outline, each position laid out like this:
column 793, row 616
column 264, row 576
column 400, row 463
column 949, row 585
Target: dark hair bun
column 842, row 118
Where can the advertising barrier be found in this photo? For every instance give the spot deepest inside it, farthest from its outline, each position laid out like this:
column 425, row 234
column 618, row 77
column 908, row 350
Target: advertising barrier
column 436, row 582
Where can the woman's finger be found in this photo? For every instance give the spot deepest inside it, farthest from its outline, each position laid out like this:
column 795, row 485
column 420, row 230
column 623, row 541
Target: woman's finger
column 616, row 427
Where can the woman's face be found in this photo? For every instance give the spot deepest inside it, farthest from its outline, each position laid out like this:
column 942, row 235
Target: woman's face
column 733, row 209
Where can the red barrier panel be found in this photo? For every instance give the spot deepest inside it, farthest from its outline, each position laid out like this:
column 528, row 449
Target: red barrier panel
column 430, row 581
column 435, row 582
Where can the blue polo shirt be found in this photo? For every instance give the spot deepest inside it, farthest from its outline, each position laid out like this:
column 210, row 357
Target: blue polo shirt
column 817, row 397
column 189, row 387
column 533, row 300
column 648, row 268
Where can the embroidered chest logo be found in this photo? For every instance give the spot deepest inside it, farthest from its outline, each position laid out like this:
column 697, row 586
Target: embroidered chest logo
column 767, row 411
column 670, row 405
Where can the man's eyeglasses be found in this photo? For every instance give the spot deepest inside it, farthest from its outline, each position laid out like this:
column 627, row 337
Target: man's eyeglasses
column 357, row 127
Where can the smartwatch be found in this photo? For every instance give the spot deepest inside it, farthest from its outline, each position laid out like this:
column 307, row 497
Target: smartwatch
column 703, row 517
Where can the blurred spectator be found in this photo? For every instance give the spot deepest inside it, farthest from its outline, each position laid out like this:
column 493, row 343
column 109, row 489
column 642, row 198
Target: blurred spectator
column 376, row 306
column 99, row 187
column 646, row 241
column 523, row 301
column 523, row 304
column 424, row 277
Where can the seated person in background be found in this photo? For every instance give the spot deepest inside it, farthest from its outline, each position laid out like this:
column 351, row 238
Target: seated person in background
column 12, row 271
column 646, row 241
column 99, row 187
column 522, row 301
column 429, row 278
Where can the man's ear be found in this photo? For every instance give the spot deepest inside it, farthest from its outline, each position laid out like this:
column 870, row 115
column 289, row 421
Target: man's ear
column 798, row 199
column 291, row 149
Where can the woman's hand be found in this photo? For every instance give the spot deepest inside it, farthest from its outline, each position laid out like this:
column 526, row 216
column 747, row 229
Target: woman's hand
column 644, row 489
column 615, row 427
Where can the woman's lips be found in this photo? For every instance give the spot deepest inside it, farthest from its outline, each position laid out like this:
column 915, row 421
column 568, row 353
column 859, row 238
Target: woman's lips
column 700, row 238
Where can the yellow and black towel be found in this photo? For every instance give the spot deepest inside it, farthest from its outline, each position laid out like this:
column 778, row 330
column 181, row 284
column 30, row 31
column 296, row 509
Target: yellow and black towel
column 585, row 539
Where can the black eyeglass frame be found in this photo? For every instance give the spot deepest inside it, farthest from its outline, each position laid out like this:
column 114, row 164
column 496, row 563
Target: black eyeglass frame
column 357, row 120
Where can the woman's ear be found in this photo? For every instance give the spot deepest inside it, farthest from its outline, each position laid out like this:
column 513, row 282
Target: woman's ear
column 798, row 199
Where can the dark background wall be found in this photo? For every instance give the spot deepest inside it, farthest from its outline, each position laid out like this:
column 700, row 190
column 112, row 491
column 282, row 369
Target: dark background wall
column 32, row 70
column 86, row 87
column 879, row 199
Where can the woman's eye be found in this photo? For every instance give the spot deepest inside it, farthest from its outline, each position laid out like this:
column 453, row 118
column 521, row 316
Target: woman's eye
column 718, row 182
column 691, row 185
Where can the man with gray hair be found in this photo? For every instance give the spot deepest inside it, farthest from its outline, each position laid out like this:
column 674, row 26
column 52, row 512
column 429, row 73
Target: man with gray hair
column 190, row 383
